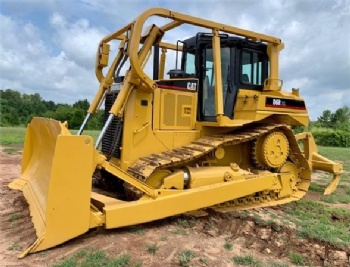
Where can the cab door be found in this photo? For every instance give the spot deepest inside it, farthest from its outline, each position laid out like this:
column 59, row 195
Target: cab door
column 206, row 94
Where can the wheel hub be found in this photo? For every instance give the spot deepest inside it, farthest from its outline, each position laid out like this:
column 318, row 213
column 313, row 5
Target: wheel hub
column 271, row 150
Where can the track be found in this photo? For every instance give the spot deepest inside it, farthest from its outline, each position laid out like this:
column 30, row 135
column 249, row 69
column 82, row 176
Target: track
column 199, row 149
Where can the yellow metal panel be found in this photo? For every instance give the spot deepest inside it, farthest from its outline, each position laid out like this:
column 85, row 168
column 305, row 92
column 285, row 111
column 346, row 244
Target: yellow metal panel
column 57, row 183
column 250, row 105
column 185, row 111
column 147, row 209
column 138, row 133
column 173, row 139
column 177, row 110
column 181, row 138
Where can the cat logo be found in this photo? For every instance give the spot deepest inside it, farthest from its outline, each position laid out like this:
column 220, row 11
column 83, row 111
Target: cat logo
column 191, row 86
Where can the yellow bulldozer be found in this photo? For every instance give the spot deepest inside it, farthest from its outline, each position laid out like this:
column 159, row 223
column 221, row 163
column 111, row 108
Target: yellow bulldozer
column 215, row 134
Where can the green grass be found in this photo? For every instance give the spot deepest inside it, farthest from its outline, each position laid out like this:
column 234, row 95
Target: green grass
column 203, row 261
column 228, row 245
column 152, row 248
column 277, row 264
column 246, row 261
column 15, row 135
column 11, row 150
column 336, row 198
column 15, row 217
column 185, row 257
column 183, row 222
column 15, row 247
column 136, row 230
column 342, row 195
column 179, row 231
column 316, row 220
column 12, row 135
column 346, row 187
column 317, row 187
column 90, row 258
column 297, row 258
column 335, row 153
column 163, row 238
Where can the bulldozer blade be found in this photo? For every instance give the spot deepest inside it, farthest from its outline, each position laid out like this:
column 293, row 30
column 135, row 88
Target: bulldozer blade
column 56, row 181
column 332, row 185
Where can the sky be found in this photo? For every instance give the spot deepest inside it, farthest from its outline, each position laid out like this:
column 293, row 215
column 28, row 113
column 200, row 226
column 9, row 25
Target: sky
column 49, row 47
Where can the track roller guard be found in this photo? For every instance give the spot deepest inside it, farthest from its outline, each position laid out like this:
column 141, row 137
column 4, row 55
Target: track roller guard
column 56, row 181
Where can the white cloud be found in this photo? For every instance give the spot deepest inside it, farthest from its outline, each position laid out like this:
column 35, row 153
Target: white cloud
column 30, row 66
column 55, row 57
column 58, row 20
column 78, row 39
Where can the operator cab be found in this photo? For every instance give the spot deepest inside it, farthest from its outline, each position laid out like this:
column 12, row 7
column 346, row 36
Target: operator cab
column 244, row 65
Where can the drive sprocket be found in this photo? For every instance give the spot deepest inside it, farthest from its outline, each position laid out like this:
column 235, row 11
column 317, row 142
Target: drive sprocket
column 271, row 150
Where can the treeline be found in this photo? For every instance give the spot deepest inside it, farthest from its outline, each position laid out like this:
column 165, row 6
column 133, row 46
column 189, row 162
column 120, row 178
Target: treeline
column 331, row 129
column 18, row 109
column 339, row 120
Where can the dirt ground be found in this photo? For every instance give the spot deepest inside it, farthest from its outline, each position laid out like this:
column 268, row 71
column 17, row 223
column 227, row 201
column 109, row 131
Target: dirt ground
column 205, row 236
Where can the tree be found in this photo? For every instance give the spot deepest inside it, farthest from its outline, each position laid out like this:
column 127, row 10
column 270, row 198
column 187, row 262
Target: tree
column 340, row 119
column 63, row 112
column 96, row 121
column 77, row 118
column 82, row 104
column 50, row 105
column 325, row 119
column 19, row 109
column 10, row 101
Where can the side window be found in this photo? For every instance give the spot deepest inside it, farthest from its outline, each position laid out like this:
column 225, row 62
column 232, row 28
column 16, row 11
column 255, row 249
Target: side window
column 252, row 64
column 190, row 67
column 208, row 96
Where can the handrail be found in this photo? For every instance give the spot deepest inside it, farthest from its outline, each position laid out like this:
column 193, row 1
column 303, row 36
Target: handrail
column 165, row 13
column 178, row 19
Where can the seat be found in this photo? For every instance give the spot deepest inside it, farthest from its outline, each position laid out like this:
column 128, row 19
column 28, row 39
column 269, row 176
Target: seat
column 245, row 78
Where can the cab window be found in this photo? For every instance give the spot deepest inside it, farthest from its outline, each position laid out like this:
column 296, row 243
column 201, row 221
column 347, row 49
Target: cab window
column 252, row 68
column 208, row 96
column 190, row 66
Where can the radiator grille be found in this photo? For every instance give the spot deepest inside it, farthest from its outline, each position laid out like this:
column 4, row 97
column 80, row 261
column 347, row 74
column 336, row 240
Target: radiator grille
column 169, row 108
column 109, row 140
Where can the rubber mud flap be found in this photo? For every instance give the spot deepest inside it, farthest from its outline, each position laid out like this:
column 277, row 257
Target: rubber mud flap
column 56, row 181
